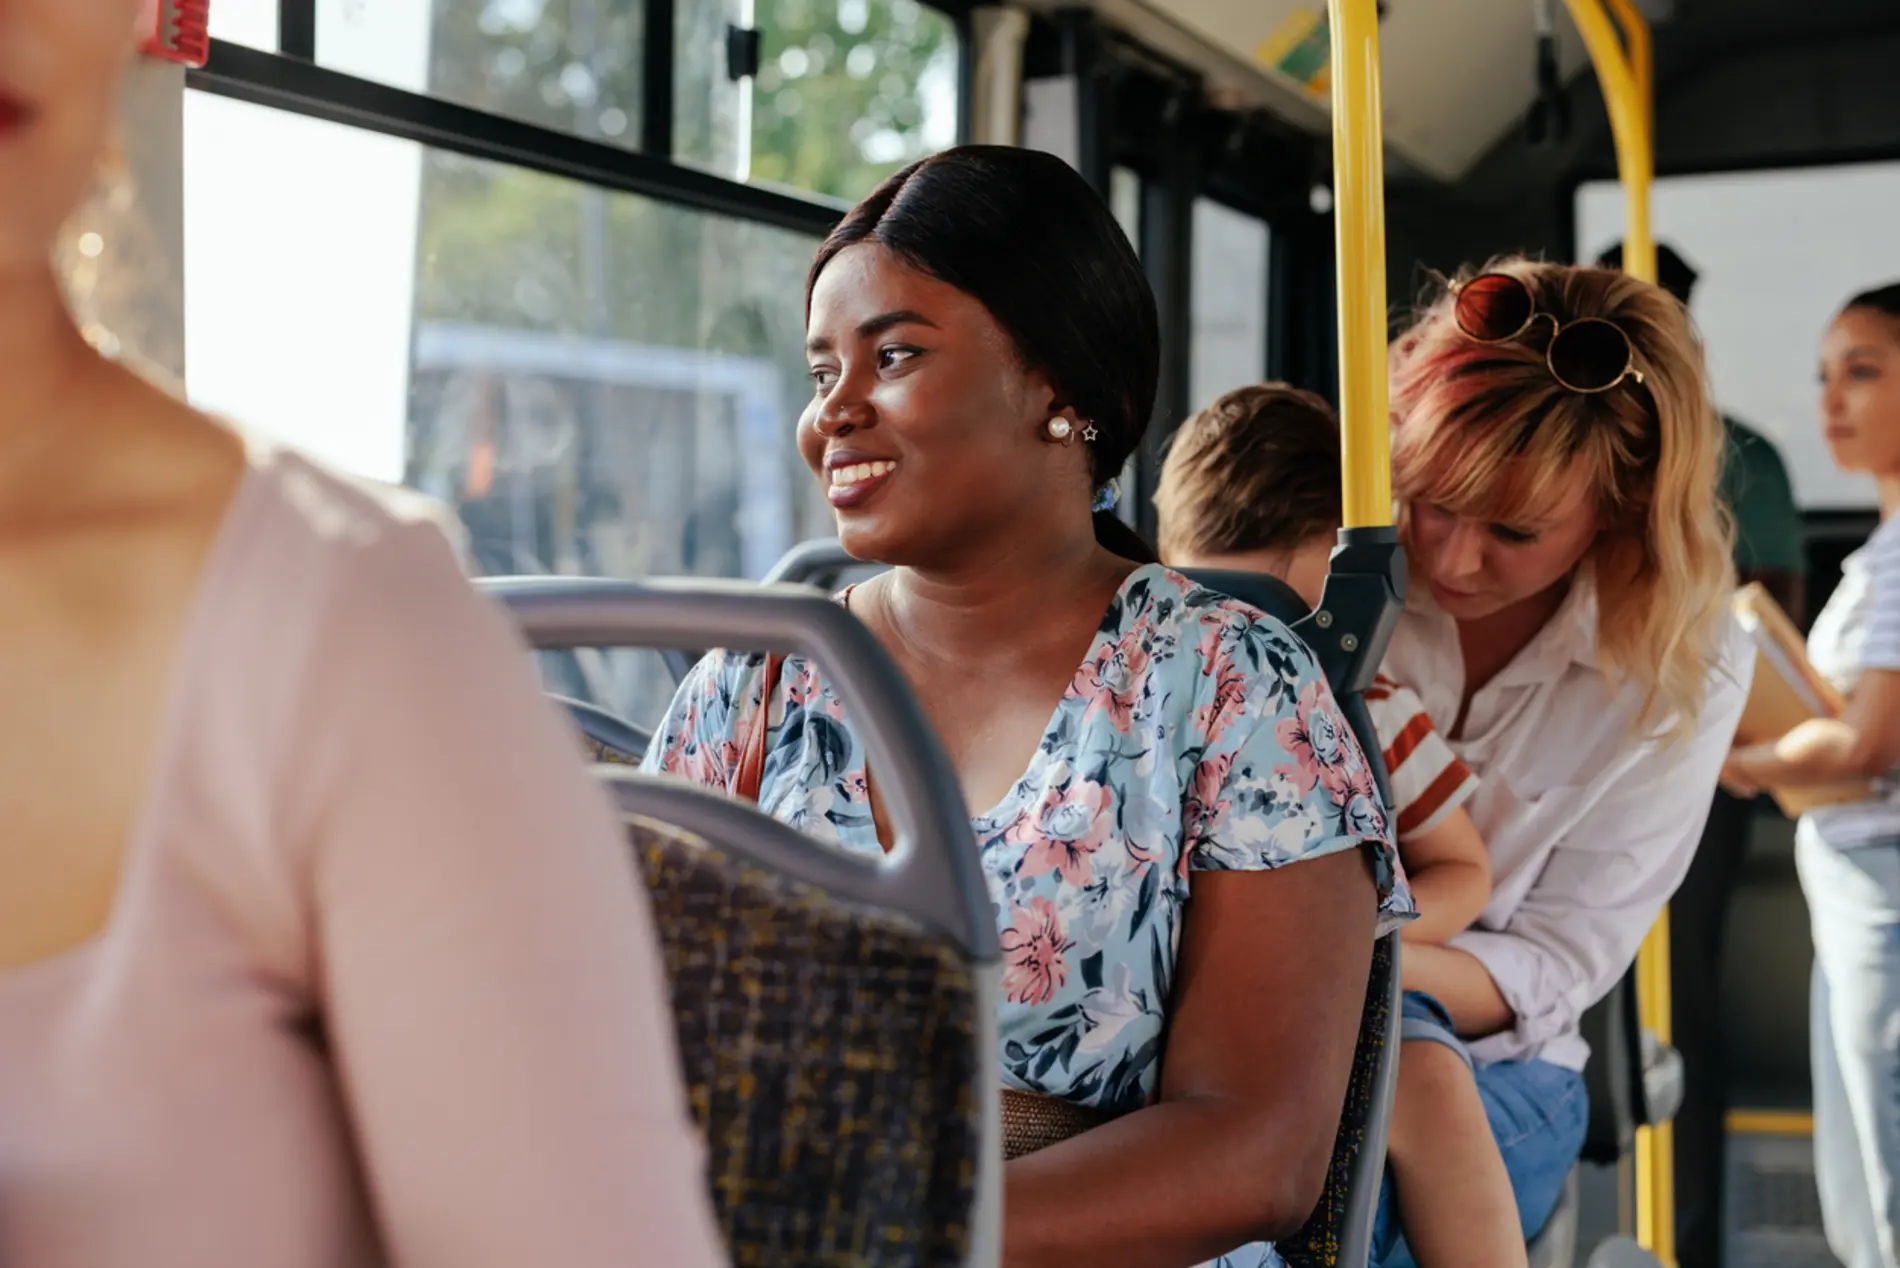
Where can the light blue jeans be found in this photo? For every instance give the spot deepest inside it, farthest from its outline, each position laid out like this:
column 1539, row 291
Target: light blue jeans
column 1538, row 1112
column 1854, row 1029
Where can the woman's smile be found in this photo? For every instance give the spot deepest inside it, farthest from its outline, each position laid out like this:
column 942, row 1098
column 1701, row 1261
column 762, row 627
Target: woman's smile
column 854, row 478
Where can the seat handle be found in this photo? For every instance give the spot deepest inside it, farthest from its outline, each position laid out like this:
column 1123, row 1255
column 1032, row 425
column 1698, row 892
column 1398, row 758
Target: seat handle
column 933, row 871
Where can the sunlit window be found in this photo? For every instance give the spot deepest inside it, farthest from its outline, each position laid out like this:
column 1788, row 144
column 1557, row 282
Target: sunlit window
column 1229, row 318
column 571, row 65
column 594, row 382
column 848, row 91
column 252, row 22
column 1778, row 252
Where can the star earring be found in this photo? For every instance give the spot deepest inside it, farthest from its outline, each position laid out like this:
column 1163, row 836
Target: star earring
column 1062, row 431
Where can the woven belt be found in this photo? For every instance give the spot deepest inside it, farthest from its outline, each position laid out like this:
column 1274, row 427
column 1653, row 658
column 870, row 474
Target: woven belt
column 1032, row 1122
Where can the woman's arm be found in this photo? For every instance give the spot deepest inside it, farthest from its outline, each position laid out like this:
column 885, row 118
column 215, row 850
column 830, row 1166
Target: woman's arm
column 1444, row 856
column 1450, row 873
column 1863, row 743
column 487, row 971
column 1459, row 981
column 1287, row 863
column 1578, row 928
column 1268, row 993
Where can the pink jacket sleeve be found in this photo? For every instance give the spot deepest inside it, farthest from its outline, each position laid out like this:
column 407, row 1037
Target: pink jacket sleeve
column 486, row 961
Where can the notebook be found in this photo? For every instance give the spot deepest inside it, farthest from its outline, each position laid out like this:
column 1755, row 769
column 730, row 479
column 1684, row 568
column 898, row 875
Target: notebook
column 1786, row 692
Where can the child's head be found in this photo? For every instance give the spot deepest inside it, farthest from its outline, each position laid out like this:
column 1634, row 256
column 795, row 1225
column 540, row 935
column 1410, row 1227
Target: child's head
column 1251, row 483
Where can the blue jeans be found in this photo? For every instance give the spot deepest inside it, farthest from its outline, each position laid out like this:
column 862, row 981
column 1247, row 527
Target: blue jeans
column 1538, row 1114
column 1854, row 1031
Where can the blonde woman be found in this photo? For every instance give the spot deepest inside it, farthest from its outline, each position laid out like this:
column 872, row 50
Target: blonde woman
column 1555, row 458
column 317, row 946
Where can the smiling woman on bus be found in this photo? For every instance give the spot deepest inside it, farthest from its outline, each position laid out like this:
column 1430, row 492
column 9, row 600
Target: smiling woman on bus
column 318, row 948
column 1555, row 453
column 1186, row 855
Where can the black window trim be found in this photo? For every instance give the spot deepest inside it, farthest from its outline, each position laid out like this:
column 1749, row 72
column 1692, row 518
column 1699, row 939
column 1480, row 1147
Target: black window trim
column 291, row 80
column 303, row 88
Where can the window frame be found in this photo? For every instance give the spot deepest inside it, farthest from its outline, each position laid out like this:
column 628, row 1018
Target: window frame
column 1139, row 111
column 290, row 79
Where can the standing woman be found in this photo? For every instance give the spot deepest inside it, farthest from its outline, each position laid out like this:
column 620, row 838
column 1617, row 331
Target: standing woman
column 318, row 948
column 1555, row 456
column 1182, row 840
column 1849, row 855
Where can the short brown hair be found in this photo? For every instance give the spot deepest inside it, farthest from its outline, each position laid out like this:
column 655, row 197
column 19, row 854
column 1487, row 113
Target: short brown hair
column 1256, row 470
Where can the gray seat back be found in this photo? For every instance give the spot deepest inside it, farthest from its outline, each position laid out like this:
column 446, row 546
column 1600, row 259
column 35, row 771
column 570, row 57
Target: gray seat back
column 819, row 562
column 1339, row 1233
column 1555, row 1245
column 789, row 999
column 607, row 737
column 837, row 1012
column 933, row 869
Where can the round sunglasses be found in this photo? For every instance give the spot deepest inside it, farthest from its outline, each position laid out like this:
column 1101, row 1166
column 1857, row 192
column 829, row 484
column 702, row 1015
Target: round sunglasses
column 1587, row 356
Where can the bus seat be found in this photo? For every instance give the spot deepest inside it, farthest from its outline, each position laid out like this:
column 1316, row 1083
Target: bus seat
column 1621, row 1252
column 1610, row 1077
column 1261, row 590
column 1339, row 1233
column 1350, row 629
column 606, row 737
column 817, row 562
column 1633, row 1081
column 820, row 994
column 1555, row 1245
column 789, row 990
column 1280, row 601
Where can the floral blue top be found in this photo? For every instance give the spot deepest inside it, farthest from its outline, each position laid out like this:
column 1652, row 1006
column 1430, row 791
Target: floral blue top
column 1198, row 735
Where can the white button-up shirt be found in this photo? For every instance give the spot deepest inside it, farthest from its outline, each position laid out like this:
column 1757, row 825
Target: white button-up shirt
column 1589, row 829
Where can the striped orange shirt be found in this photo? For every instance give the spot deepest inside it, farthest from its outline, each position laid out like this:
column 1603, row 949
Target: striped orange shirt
column 1428, row 780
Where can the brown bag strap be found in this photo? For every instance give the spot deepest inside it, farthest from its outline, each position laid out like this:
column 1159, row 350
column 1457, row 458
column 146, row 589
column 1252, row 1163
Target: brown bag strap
column 752, row 756
column 1032, row 1122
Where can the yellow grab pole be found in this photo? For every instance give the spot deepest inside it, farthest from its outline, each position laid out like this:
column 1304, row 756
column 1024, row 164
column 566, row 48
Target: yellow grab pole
column 1642, row 65
column 1626, row 97
column 1359, row 237
column 1624, row 69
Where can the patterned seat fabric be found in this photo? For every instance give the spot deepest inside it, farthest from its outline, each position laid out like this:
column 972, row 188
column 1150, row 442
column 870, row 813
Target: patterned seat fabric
column 829, row 1058
column 1316, row 1245
column 600, row 751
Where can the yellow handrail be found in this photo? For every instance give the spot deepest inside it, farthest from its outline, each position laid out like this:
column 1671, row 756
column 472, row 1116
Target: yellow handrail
column 1642, row 67
column 1626, row 94
column 1625, row 70
column 1359, row 238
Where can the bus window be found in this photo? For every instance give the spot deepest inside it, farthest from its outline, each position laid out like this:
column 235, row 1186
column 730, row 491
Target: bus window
column 1228, row 345
column 1778, row 252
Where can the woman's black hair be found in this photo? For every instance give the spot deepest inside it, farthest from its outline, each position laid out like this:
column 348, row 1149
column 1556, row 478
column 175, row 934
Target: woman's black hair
column 1022, row 233
column 1884, row 300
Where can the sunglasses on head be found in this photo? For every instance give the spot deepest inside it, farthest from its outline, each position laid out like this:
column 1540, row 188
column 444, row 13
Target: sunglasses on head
column 1588, row 355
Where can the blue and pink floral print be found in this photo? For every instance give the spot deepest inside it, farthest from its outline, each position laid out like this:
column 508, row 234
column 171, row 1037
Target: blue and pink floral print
column 1198, row 735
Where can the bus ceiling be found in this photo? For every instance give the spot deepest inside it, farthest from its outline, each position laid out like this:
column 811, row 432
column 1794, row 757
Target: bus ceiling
column 1460, row 76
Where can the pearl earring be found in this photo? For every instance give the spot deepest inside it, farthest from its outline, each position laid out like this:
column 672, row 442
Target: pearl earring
column 1060, row 430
